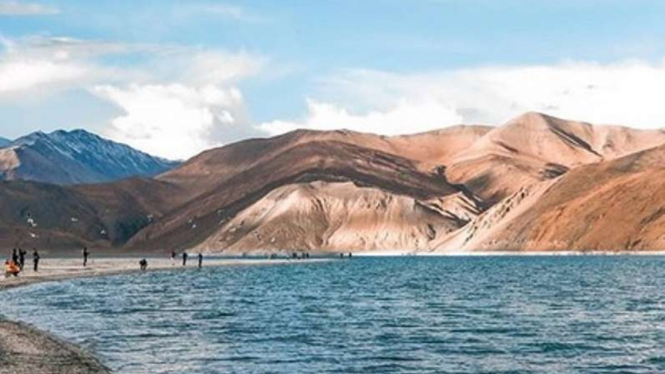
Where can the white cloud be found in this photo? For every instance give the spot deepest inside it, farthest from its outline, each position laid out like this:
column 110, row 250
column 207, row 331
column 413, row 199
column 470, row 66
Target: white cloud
column 212, row 67
column 628, row 93
column 196, row 111
column 22, row 75
column 44, row 64
column 173, row 121
column 62, row 48
column 16, row 8
column 228, row 11
column 404, row 117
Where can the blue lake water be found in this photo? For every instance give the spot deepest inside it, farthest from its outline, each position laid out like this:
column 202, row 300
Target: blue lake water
column 368, row 315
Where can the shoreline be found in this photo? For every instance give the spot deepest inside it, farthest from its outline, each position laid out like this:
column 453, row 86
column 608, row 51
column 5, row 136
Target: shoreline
column 26, row 349
column 506, row 253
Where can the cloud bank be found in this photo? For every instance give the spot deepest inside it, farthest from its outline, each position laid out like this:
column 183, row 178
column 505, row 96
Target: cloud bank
column 626, row 93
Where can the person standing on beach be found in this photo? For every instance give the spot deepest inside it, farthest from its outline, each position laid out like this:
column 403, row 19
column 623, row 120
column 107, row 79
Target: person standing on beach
column 184, row 258
column 143, row 264
column 35, row 259
column 85, row 256
column 15, row 256
column 173, row 255
column 200, row 260
column 21, row 258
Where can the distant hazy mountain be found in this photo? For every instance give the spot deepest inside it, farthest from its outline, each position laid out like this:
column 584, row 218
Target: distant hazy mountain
column 4, row 142
column 75, row 157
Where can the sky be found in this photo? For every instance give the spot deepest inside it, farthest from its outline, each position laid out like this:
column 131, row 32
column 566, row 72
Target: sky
column 174, row 78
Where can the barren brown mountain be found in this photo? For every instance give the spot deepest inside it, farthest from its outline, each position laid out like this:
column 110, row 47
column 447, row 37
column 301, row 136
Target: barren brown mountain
column 535, row 147
column 318, row 158
column 535, row 183
column 612, row 206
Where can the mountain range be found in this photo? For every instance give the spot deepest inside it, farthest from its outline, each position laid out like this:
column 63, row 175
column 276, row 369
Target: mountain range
column 536, row 183
column 74, row 157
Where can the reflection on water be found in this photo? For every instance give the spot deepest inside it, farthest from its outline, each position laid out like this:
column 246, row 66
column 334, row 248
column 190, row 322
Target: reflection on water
column 375, row 315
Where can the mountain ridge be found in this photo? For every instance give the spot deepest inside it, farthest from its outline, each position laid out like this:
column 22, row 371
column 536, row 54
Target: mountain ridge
column 75, row 157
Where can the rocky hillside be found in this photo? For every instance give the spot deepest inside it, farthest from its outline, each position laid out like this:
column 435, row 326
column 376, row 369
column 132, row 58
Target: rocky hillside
column 75, row 157
column 60, row 218
column 611, row 206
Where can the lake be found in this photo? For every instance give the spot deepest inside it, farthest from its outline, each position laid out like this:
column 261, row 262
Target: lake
column 541, row 314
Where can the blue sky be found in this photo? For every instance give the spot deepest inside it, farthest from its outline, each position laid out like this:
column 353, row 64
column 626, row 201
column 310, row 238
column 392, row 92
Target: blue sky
column 176, row 77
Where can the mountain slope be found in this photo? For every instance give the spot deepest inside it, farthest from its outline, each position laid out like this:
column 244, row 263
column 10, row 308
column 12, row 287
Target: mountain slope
column 252, row 172
column 535, row 147
column 336, row 217
column 73, row 158
column 4, row 142
column 616, row 205
column 60, row 218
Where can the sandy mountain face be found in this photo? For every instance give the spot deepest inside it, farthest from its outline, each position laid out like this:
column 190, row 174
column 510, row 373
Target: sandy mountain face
column 535, row 183
column 75, row 157
column 296, row 158
column 612, row 206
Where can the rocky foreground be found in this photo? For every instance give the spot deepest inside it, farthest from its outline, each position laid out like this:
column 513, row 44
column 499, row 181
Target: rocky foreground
column 24, row 350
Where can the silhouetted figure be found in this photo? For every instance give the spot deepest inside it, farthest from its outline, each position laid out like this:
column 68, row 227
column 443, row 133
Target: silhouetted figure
column 143, row 264
column 184, row 258
column 35, row 259
column 21, row 258
column 200, row 260
column 173, row 256
column 15, row 256
column 85, row 256
column 341, row 255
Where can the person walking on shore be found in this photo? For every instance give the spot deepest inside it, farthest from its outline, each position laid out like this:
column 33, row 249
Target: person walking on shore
column 184, row 258
column 143, row 264
column 85, row 256
column 200, row 260
column 35, row 259
column 173, row 255
column 15, row 256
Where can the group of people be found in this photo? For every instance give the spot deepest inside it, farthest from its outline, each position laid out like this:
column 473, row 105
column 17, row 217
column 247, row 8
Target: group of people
column 16, row 263
column 143, row 264
column 174, row 255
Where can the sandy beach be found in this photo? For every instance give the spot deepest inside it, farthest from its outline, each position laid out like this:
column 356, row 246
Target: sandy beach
column 24, row 349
